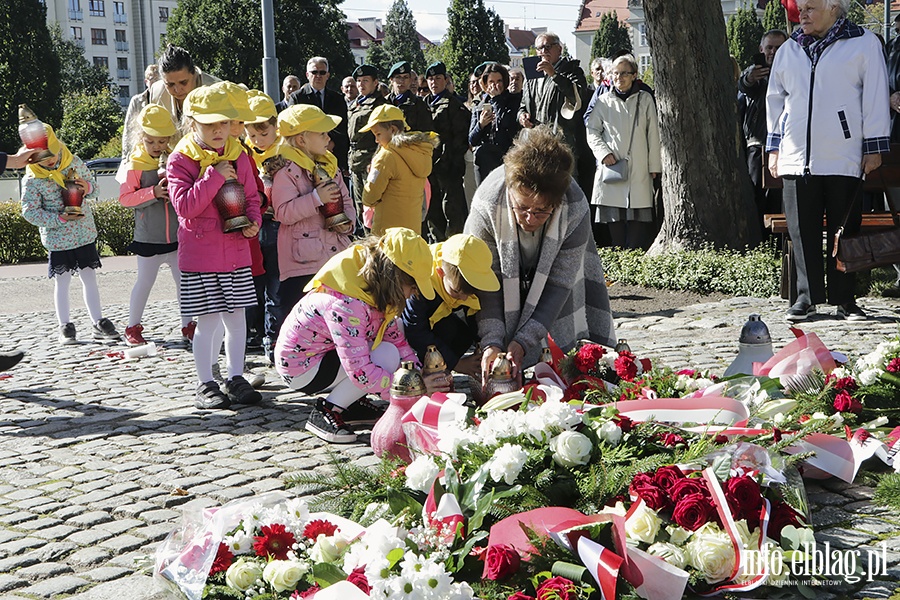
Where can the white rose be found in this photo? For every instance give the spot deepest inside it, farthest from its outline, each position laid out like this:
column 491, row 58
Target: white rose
column 678, row 535
column 571, row 448
column 329, row 548
column 242, row 574
column 670, row 553
column 283, row 575
column 749, row 540
column 869, row 376
column 507, row 463
column 610, row 433
column 421, row 473
column 643, row 525
column 710, row 552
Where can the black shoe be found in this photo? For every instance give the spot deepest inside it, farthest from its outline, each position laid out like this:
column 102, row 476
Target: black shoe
column 67, row 334
column 239, row 391
column 329, row 425
column 800, row 311
column 362, row 412
column 8, row 361
column 105, row 330
column 209, row 396
column 254, row 342
column 850, row 311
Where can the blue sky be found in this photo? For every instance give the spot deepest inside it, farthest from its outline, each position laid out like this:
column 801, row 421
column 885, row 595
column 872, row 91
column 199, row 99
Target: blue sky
column 431, row 15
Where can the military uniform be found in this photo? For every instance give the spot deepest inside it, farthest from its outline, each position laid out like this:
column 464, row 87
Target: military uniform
column 362, row 143
column 448, row 210
column 415, row 111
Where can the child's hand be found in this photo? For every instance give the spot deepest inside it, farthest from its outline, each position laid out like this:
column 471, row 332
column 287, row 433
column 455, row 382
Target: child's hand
column 329, row 192
column 438, row 382
column 487, row 361
column 84, row 185
column 469, row 365
column 226, row 169
column 161, row 189
column 68, row 217
column 344, row 228
column 251, row 231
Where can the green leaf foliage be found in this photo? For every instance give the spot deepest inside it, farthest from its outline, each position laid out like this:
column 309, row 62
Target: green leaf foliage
column 90, row 120
column 888, row 491
column 611, row 37
column 474, row 35
column 378, row 57
column 225, row 38
column 775, row 17
column 76, row 74
column 744, row 31
column 401, row 42
column 29, row 69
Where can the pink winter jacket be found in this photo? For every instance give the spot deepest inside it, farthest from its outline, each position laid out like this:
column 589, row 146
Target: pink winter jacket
column 304, row 245
column 202, row 246
column 327, row 320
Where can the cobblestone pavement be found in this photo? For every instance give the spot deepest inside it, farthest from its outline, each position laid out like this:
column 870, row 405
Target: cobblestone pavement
column 93, row 446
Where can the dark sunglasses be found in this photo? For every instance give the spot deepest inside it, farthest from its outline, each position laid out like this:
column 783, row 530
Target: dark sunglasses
column 318, row 72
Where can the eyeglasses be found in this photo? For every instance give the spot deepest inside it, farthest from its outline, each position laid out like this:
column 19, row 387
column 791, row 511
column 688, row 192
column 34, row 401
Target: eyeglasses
column 318, row 72
column 623, row 73
column 546, row 47
column 537, row 214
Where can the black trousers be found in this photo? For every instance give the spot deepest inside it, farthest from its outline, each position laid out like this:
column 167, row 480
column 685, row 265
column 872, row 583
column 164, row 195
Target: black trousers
column 806, row 201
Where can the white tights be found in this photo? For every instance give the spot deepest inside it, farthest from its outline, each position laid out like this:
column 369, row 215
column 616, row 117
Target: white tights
column 208, row 340
column 147, row 270
column 89, row 289
column 343, row 392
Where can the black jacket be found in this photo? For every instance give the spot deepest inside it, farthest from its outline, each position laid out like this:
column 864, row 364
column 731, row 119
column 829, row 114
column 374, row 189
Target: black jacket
column 415, row 111
column 754, row 121
column 336, row 106
column 492, row 142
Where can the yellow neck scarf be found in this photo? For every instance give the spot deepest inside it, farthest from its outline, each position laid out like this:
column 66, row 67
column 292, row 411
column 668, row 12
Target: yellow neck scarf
column 207, row 156
column 261, row 156
column 341, row 273
column 58, row 173
column 303, row 160
column 449, row 304
column 141, row 160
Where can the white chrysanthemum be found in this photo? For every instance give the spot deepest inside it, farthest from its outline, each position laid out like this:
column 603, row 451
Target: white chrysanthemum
column 869, row 376
column 460, row 591
column 239, row 543
column 555, row 416
column 435, row 579
column 610, row 432
column 455, row 437
column 421, row 473
column 507, row 463
column 501, row 425
column 296, row 513
column 377, row 570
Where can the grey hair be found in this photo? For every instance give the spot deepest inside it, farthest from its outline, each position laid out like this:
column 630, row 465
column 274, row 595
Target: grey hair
column 770, row 33
column 842, row 5
column 316, row 60
column 549, row 36
column 597, row 62
column 626, row 58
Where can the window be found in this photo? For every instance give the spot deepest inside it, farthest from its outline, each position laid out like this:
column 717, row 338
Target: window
column 75, row 32
column 98, row 37
column 97, row 8
column 75, row 12
column 163, row 14
column 74, row 4
column 119, row 8
column 101, row 61
column 122, row 63
column 642, row 29
column 645, row 63
column 120, row 35
column 124, row 91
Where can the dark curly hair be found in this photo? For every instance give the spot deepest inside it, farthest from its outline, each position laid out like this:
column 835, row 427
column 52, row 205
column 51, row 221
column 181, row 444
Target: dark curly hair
column 540, row 163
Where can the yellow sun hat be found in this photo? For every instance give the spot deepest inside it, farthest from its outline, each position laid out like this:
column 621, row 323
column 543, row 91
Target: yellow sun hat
column 305, row 117
column 156, row 120
column 384, row 114
column 406, row 249
column 209, row 104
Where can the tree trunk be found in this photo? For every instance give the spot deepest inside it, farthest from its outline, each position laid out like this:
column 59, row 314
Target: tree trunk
column 707, row 194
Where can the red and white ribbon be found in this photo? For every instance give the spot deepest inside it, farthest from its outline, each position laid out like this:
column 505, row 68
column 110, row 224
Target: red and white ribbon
column 424, row 422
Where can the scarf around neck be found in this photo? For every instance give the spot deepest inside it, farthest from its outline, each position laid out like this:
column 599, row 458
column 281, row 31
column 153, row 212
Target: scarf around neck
column 449, row 304
column 190, row 147
column 328, row 160
column 141, row 160
column 815, row 47
column 57, row 173
column 261, row 156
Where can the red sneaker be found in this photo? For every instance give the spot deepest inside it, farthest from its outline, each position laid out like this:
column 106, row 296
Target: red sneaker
column 133, row 335
column 187, row 332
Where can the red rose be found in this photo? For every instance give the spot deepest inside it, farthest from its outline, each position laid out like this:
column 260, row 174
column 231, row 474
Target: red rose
column 846, row 383
column 666, row 476
column 670, row 439
column 223, row 560
column 626, row 367
column 624, row 423
column 557, row 588
column 275, row 541
column 844, row 402
column 894, row 365
column 693, row 511
column 588, row 356
column 642, row 480
column 319, row 526
column 501, row 561
column 520, row 596
column 743, row 495
column 358, row 578
column 782, row 516
column 653, row 497
column 686, row 487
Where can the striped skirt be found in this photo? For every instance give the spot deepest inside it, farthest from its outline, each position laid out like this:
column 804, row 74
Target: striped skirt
column 209, row 293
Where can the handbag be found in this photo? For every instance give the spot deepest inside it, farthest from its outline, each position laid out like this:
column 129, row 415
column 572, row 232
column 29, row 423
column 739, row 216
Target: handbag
column 870, row 249
column 618, row 171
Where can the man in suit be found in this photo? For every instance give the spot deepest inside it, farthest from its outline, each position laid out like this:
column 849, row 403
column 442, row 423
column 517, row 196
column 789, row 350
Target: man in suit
column 415, row 111
column 290, row 85
column 330, row 101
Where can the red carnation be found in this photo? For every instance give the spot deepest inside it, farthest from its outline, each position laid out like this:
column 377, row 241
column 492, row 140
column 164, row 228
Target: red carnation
column 670, row 439
column 624, row 423
column 501, row 561
column 626, row 366
column 358, row 578
column 275, row 541
column 666, row 476
column 314, row 528
column 223, row 560
column 686, row 487
column 557, row 588
column 894, row 365
column 847, row 383
column 588, row 357
column 744, row 497
column 693, row 511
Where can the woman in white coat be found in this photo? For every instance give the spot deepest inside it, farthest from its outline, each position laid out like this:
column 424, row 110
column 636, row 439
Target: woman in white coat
column 623, row 125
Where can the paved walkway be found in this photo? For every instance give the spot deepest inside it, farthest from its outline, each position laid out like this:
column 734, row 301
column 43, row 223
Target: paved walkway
column 97, row 452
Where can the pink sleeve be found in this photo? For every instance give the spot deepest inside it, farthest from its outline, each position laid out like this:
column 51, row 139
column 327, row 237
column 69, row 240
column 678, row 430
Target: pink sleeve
column 348, row 322
column 291, row 204
column 131, row 194
column 394, row 335
column 190, row 191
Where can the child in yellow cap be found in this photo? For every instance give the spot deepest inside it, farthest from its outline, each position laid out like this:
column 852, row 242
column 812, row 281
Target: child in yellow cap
column 155, row 222
column 461, row 271
column 304, row 242
column 71, row 239
column 342, row 338
column 395, row 186
column 216, row 279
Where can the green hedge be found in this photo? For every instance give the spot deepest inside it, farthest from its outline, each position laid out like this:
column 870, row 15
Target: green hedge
column 22, row 242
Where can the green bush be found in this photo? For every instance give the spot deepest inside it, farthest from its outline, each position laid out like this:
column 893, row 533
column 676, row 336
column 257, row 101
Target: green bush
column 22, row 240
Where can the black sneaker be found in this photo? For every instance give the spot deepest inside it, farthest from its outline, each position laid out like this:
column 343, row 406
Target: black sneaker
column 209, row 396
column 362, row 412
column 239, row 391
column 800, row 311
column 8, row 361
column 67, row 334
column 329, row 425
column 105, row 330
column 850, row 311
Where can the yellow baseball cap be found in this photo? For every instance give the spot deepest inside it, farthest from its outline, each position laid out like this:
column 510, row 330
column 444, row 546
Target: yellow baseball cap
column 238, row 97
column 384, row 114
column 305, row 117
column 262, row 106
column 209, row 104
column 156, row 120
column 406, row 249
column 473, row 259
